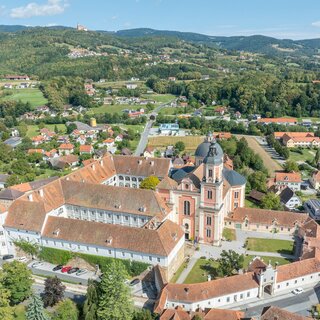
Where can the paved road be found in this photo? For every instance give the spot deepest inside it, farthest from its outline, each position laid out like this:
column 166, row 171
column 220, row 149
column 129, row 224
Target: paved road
column 144, row 135
column 294, row 303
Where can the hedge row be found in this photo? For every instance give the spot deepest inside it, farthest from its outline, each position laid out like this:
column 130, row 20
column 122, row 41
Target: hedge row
column 57, row 256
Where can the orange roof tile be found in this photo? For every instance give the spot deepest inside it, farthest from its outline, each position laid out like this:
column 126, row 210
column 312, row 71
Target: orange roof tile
column 288, row 177
column 66, row 146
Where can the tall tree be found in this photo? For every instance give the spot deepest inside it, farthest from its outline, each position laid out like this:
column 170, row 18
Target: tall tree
column 114, row 295
column 317, row 157
column 271, row 201
column 6, row 312
column 90, row 305
column 291, row 166
column 149, row 183
column 35, row 310
column 17, row 279
column 53, row 291
column 230, row 261
column 66, row 310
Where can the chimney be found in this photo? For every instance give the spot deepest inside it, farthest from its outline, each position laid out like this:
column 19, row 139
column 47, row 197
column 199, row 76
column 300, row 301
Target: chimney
column 93, row 167
column 101, row 163
column 41, row 193
column 30, row 197
column 56, row 232
column 152, row 163
column 139, row 162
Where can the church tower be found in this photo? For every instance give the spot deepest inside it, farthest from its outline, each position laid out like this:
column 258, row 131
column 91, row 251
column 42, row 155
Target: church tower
column 211, row 204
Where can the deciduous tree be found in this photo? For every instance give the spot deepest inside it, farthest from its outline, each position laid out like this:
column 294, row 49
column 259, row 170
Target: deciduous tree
column 230, row 261
column 149, row 183
column 53, row 291
column 66, row 310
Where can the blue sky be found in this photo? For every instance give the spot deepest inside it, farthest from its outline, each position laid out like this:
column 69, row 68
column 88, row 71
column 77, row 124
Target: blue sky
column 295, row 19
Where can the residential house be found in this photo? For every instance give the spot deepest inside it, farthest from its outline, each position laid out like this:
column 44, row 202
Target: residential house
column 289, row 199
column 312, row 206
column 149, row 152
column 275, row 313
column 66, row 149
column 63, row 139
column 17, row 77
column 281, row 134
column 294, row 142
column 81, row 139
column 291, row 180
column 256, row 196
column 284, row 121
column 220, row 110
column 131, row 86
column 86, row 149
column 173, row 79
column 109, row 143
column 63, row 162
column 8, row 86
column 315, row 179
column 118, row 138
column 205, row 77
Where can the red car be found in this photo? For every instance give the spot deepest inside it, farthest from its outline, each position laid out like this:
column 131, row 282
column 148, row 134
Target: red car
column 66, row 269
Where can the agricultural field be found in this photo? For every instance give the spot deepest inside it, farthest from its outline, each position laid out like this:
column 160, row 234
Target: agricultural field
column 191, row 142
column 33, row 96
column 33, row 130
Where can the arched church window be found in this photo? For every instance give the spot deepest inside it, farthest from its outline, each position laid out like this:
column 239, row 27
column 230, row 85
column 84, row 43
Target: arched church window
column 186, row 208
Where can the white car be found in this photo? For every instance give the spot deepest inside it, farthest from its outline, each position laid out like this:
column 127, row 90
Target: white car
column 37, row 264
column 22, row 259
column 297, row 291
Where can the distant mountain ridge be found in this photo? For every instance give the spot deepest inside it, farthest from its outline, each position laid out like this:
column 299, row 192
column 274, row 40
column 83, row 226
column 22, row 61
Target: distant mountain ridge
column 254, row 43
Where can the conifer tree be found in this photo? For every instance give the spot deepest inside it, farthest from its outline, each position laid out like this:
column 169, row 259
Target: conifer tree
column 35, row 310
column 91, row 303
column 114, row 295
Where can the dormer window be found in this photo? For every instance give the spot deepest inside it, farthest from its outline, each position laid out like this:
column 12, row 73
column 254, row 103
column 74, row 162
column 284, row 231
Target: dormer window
column 186, row 186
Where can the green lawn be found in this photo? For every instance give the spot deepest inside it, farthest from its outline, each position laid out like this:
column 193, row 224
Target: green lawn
column 307, row 154
column 229, row 234
column 33, row 130
column 160, row 98
column 137, row 128
column 178, row 272
column 33, row 96
column 270, row 245
column 204, row 267
column 116, row 108
column 273, row 260
column 169, row 111
column 201, row 270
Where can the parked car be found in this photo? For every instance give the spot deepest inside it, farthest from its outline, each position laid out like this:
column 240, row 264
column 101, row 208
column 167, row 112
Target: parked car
column 8, row 257
column 37, row 264
column 22, row 259
column 297, row 291
column 58, row 267
column 73, row 270
column 134, row 282
column 80, row 272
column 66, row 269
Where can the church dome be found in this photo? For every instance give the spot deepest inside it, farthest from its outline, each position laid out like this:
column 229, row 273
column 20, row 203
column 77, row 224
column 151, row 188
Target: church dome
column 202, row 149
column 214, row 154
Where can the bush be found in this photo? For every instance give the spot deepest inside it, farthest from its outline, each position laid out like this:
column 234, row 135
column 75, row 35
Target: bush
column 57, row 256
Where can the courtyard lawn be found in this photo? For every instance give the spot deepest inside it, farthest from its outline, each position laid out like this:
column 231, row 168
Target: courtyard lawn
column 229, row 234
column 201, row 270
column 176, row 276
column 191, row 142
column 33, row 130
column 269, row 245
column 273, row 260
column 33, row 96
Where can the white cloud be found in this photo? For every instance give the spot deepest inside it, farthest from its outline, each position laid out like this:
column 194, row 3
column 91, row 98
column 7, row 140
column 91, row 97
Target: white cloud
column 316, row 24
column 2, row 10
column 114, row 17
column 33, row 9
